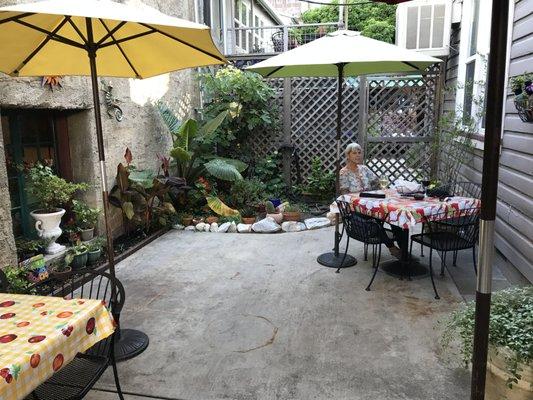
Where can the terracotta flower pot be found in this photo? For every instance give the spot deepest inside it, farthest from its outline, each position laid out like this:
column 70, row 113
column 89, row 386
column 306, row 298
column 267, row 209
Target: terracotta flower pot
column 498, row 373
column 210, row 220
column 248, row 220
column 186, row 221
column 61, row 274
column 292, row 216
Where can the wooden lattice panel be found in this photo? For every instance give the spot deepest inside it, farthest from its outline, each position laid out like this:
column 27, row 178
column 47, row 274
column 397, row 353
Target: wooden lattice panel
column 314, row 119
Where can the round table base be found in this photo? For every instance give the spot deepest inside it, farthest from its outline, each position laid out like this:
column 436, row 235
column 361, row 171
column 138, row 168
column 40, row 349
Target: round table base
column 331, row 260
column 398, row 269
column 131, row 344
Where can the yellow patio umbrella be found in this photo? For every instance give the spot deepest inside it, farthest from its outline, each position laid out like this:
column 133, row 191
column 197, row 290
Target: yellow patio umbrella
column 91, row 37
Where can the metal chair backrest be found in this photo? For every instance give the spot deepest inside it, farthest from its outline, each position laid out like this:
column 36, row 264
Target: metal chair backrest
column 467, row 189
column 87, row 284
column 463, row 225
column 358, row 226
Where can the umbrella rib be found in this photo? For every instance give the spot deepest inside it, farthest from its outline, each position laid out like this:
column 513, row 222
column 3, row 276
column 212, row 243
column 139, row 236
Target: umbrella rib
column 411, row 65
column 41, row 45
column 110, row 33
column 126, row 39
column 55, row 36
column 77, row 30
column 16, row 17
column 274, row 71
column 183, row 42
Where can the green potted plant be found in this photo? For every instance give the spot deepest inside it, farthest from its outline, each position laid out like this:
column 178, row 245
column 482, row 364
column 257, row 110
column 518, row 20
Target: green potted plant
column 211, row 218
column 94, row 248
column 28, row 248
column 186, row 219
column 60, row 270
column 510, row 372
column 273, row 212
column 52, row 193
column 17, row 279
column 86, row 219
column 77, row 256
column 291, row 213
column 522, row 87
column 248, row 215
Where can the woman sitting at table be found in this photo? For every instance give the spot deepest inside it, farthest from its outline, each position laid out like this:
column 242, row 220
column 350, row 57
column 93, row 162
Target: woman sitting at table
column 356, row 177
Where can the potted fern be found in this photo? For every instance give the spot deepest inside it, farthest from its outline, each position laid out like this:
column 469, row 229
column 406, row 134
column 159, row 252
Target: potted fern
column 509, row 366
column 77, row 256
column 248, row 215
column 94, row 248
column 291, row 213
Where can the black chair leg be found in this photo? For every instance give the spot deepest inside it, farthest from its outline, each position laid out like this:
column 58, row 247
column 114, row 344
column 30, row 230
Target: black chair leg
column 366, row 251
column 375, row 268
column 474, row 258
column 455, row 258
column 345, row 253
column 442, row 262
column 431, row 273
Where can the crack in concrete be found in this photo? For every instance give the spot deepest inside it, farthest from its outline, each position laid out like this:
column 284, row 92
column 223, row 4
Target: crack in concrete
column 269, row 341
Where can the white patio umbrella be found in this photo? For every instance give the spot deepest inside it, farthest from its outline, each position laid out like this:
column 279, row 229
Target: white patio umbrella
column 339, row 54
column 91, row 37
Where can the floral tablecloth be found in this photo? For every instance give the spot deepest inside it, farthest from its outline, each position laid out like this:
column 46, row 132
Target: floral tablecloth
column 39, row 335
column 406, row 212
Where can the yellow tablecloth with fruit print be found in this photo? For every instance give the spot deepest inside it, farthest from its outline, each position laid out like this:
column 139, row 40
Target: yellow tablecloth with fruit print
column 39, row 335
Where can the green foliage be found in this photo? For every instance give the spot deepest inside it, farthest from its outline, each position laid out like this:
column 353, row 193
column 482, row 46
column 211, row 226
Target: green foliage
column 50, row 190
column 98, row 243
column 76, row 250
column 270, row 207
column 320, row 183
column 269, row 172
column 247, row 212
column 375, row 20
column 511, row 326
column 27, row 248
column 292, row 208
column 17, row 279
column 86, row 217
column 194, row 146
column 219, row 207
column 230, row 218
column 518, row 82
column 249, row 101
column 246, row 191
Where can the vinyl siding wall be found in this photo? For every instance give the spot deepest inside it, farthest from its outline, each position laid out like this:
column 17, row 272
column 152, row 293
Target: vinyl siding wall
column 514, row 224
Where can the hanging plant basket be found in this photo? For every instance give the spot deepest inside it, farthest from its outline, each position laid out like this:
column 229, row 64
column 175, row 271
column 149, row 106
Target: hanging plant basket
column 524, row 106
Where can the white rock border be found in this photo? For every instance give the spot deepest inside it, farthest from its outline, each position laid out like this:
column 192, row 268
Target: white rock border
column 266, row 225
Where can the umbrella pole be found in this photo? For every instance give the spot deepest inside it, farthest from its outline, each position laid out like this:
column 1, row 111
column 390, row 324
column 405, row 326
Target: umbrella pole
column 335, row 259
column 489, row 190
column 129, row 342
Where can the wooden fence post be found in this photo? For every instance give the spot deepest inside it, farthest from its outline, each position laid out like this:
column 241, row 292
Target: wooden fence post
column 287, row 142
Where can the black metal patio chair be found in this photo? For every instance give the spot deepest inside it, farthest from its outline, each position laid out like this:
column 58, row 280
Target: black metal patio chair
column 75, row 379
column 445, row 232
column 365, row 229
column 466, row 189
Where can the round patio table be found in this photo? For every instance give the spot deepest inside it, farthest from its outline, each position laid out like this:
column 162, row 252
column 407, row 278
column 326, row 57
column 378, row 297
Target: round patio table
column 405, row 212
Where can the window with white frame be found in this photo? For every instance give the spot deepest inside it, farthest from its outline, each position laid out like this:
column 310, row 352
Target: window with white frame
column 473, row 57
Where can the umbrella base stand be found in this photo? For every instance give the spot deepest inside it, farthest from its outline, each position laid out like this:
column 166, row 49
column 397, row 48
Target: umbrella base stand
column 130, row 344
column 332, row 260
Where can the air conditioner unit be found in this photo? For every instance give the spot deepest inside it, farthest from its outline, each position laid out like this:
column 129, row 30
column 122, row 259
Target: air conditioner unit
column 425, row 25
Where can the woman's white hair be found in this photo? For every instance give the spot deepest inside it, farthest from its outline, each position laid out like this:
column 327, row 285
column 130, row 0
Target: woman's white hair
column 352, row 147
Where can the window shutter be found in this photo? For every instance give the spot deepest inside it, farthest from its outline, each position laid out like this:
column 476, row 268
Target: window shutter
column 412, row 27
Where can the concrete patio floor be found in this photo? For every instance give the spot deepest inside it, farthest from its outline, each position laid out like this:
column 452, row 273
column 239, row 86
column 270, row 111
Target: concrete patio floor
column 254, row 317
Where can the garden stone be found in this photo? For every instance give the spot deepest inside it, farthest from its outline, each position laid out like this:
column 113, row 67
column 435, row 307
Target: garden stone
column 232, row 228
column 200, row 226
column 207, row 227
column 214, row 227
column 189, row 228
column 178, row 227
column 267, row 225
column 315, row 223
column 244, row 228
column 224, row 227
column 293, row 226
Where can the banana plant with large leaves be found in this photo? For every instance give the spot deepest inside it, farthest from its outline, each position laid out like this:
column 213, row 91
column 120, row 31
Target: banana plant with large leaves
column 193, row 147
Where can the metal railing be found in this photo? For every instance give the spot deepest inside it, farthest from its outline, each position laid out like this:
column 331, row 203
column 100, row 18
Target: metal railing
column 270, row 40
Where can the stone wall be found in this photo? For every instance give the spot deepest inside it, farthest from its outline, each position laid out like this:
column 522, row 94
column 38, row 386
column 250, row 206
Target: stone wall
column 140, row 130
column 8, row 252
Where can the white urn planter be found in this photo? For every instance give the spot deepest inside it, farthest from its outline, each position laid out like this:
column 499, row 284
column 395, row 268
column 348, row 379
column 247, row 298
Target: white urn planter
column 47, row 226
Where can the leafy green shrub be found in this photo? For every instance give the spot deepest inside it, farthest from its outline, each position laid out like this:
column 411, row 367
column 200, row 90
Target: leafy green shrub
column 511, row 326
column 320, row 183
column 247, row 97
column 230, row 218
column 269, row 172
column 270, row 207
column 50, row 190
column 247, row 212
column 86, row 217
column 246, row 191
